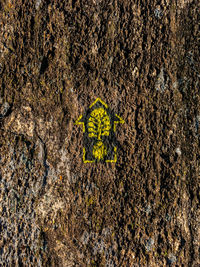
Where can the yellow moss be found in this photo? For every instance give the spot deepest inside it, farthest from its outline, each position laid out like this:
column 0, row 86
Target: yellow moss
column 98, row 227
column 165, row 254
column 8, row 7
column 90, row 200
column 93, row 264
column 135, row 209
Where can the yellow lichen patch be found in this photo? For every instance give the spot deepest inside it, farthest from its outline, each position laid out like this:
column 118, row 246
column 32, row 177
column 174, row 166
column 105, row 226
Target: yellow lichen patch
column 90, row 200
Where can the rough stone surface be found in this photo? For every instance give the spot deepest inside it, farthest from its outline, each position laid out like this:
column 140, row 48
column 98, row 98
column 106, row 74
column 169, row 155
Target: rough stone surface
column 142, row 59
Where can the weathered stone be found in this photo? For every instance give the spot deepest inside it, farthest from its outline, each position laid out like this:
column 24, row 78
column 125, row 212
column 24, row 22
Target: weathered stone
column 141, row 59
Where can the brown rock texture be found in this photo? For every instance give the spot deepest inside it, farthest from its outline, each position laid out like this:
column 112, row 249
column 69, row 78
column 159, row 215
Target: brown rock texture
column 142, row 59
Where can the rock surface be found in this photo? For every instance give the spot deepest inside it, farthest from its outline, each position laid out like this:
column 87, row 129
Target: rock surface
column 142, row 59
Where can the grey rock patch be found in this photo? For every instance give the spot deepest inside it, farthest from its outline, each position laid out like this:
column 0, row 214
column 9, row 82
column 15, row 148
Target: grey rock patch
column 171, row 258
column 158, row 13
column 161, row 83
column 37, row 4
column 4, row 109
column 21, row 121
column 178, row 151
column 149, row 244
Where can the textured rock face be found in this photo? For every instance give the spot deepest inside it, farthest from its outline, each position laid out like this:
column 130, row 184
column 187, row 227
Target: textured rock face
column 141, row 59
column 20, row 232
